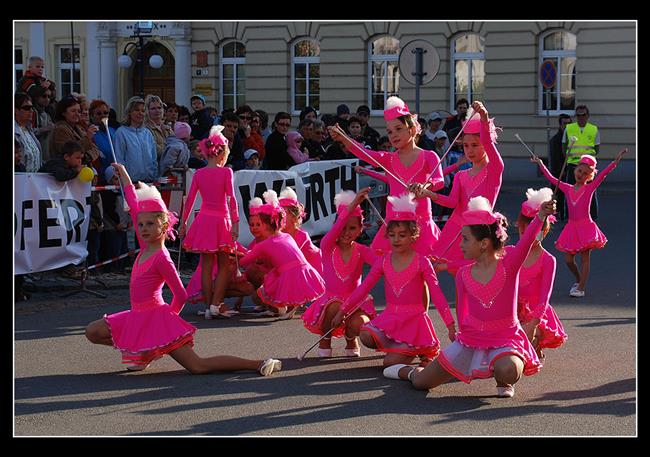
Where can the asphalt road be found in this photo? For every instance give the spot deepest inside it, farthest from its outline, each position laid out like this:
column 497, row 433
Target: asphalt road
column 65, row 386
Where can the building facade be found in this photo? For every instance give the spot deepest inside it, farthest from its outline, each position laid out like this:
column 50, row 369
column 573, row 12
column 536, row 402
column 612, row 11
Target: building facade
column 286, row 65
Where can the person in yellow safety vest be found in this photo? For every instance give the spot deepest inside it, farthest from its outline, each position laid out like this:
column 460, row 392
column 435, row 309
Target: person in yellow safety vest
column 588, row 142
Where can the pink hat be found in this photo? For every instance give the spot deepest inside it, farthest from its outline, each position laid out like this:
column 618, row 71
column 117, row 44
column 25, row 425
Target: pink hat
column 272, row 206
column 588, row 160
column 149, row 200
column 182, row 130
column 343, row 199
column 472, row 125
column 288, row 197
column 534, row 201
column 479, row 212
column 395, row 107
column 211, row 145
column 403, row 208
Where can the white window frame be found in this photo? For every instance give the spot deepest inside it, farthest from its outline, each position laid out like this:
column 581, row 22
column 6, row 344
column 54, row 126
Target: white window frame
column 309, row 61
column 18, row 65
column 555, row 55
column 385, row 58
column 236, row 62
column 462, row 56
column 68, row 66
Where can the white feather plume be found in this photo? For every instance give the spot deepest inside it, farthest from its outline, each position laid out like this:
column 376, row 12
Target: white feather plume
column 271, row 197
column 404, row 203
column 537, row 197
column 288, row 192
column 470, row 113
column 146, row 192
column 255, row 202
column 479, row 203
column 393, row 101
column 344, row 197
column 215, row 130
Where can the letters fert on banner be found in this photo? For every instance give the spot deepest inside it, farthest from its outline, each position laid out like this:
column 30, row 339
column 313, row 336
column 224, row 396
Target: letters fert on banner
column 316, row 183
column 51, row 222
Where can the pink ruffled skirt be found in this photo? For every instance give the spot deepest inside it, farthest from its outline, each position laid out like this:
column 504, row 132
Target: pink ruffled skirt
column 291, row 285
column 146, row 335
column 579, row 236
column 550, row 332
column 209, row 233
column 404, row 329
column 313, row 316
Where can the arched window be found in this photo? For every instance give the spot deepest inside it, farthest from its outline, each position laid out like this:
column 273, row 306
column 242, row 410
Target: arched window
column 560, row 47
column 468, row 68
column 233, row 75
column 383, row 72
column 305, row 75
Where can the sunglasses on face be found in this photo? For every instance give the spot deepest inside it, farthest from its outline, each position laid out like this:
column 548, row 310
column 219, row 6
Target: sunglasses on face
column 282, row 124
column 581, row 114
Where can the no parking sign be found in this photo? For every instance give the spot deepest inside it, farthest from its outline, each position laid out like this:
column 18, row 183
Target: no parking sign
column 548, row 74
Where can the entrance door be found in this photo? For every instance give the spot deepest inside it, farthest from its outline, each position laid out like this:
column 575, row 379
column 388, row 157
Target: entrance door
column 157, row 81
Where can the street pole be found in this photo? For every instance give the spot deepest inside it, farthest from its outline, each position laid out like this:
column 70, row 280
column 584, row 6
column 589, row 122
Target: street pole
column 140, row 65
column 418, row 76
column 548, row 128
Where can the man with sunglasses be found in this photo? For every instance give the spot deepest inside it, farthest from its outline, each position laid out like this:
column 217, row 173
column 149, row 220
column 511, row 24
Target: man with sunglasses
column 277, row 157
column 588, row 142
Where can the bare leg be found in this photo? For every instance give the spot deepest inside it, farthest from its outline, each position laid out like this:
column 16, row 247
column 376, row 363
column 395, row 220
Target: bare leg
column 393, row 358
column 223, row 276
column 207, row 263
column 353, row 326
column 585, row 259
column 508, row 370
column 326, row 325
column 427, row 378
column 570, row 262
column 191, row 361
column 98, row 332
column 367, row 340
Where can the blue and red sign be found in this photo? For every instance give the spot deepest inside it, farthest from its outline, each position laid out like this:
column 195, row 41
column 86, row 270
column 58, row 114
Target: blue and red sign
column 548, row 74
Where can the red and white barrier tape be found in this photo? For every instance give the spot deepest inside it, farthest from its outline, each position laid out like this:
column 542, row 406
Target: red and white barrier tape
column 105, row 262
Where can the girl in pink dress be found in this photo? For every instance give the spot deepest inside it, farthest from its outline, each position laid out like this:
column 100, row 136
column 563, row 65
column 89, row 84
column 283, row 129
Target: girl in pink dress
column 403, row 330
column 490, row 341
column 484, row 179
column 342, row 265
column 580, row 234
column 292, row 281
column 152, row 328
column 295, row 212
column 217, row 225
column 410, row 164
column 537, row 316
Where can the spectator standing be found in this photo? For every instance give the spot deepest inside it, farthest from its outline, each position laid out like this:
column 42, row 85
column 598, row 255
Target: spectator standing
column 315, row 143
column 200, row 120
column 295, row 147
column 171, row 114
column 556, row 160
column 230, row 122
column 176, row 153
column 112, row 119
column 68, row 127
column 422, row 140
column 306, row 128
column 265, row 128
column 84, row 109
column 135, row 147
column 41, row 120
column 588, row 142
column 308, row 112
column 434, row 126
column 19, row 166
column 99, row 110
column 371, row 135
column 155, row 122
column 277, row 156
column 183, row 114
column 32, row 157
column 342, row 116
column 254, row 140
column 34, row 76
column 462, row 105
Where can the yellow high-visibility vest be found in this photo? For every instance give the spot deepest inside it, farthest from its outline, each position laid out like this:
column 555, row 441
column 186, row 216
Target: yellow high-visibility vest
column 585, row 143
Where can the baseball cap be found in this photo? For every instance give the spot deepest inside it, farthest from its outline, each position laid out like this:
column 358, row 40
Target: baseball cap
column 342, row 109
column 434, row 115
column 440, row 134
column 199, row 96
column 363, row 109
column 250, row 153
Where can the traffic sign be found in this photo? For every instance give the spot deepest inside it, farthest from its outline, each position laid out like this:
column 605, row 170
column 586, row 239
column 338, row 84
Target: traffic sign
column 548, row 74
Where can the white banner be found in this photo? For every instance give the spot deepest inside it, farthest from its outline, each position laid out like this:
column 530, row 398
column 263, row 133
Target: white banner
column 51, row 222
column 316, row 183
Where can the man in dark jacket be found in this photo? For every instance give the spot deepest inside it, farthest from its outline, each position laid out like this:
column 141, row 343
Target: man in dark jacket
column 277, row 157
column 371, row 135
column 462, row 105
column 200, row 120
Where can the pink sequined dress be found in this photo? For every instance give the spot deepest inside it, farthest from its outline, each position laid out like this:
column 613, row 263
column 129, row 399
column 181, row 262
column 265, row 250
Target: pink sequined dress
column 533, row 300
column 151, row 328
column 404, row 326
column 312, row 253
column 486, row 183
column 210, row 231
column 488, row 326
column 581, row 232
column 417, row 172
column 341, row 278
column 292, row 281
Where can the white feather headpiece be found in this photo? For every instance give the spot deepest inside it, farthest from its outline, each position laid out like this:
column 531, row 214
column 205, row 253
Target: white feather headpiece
column 345, row 197
column 255, row 202
column 146, row 192
column 288, row 192
column 403, row 207
column 479, row 203
column 537, row 197
column 394, row 101
column 271, row 197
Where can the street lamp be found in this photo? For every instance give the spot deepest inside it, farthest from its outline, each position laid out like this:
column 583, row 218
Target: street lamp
column 141, row 30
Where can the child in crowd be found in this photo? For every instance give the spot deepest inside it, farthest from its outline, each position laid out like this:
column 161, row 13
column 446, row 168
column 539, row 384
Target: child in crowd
column 490, row 341
column 581, row 234
column 196, row 160
column 403, row 330
column 292, row 281
column 484, row 179
column 343, row 264
column 153, row 328
column 176, row 153
column 295, row 148
column 215, row 228
column 252, row 158
column 67, row 166
column 410, row 165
